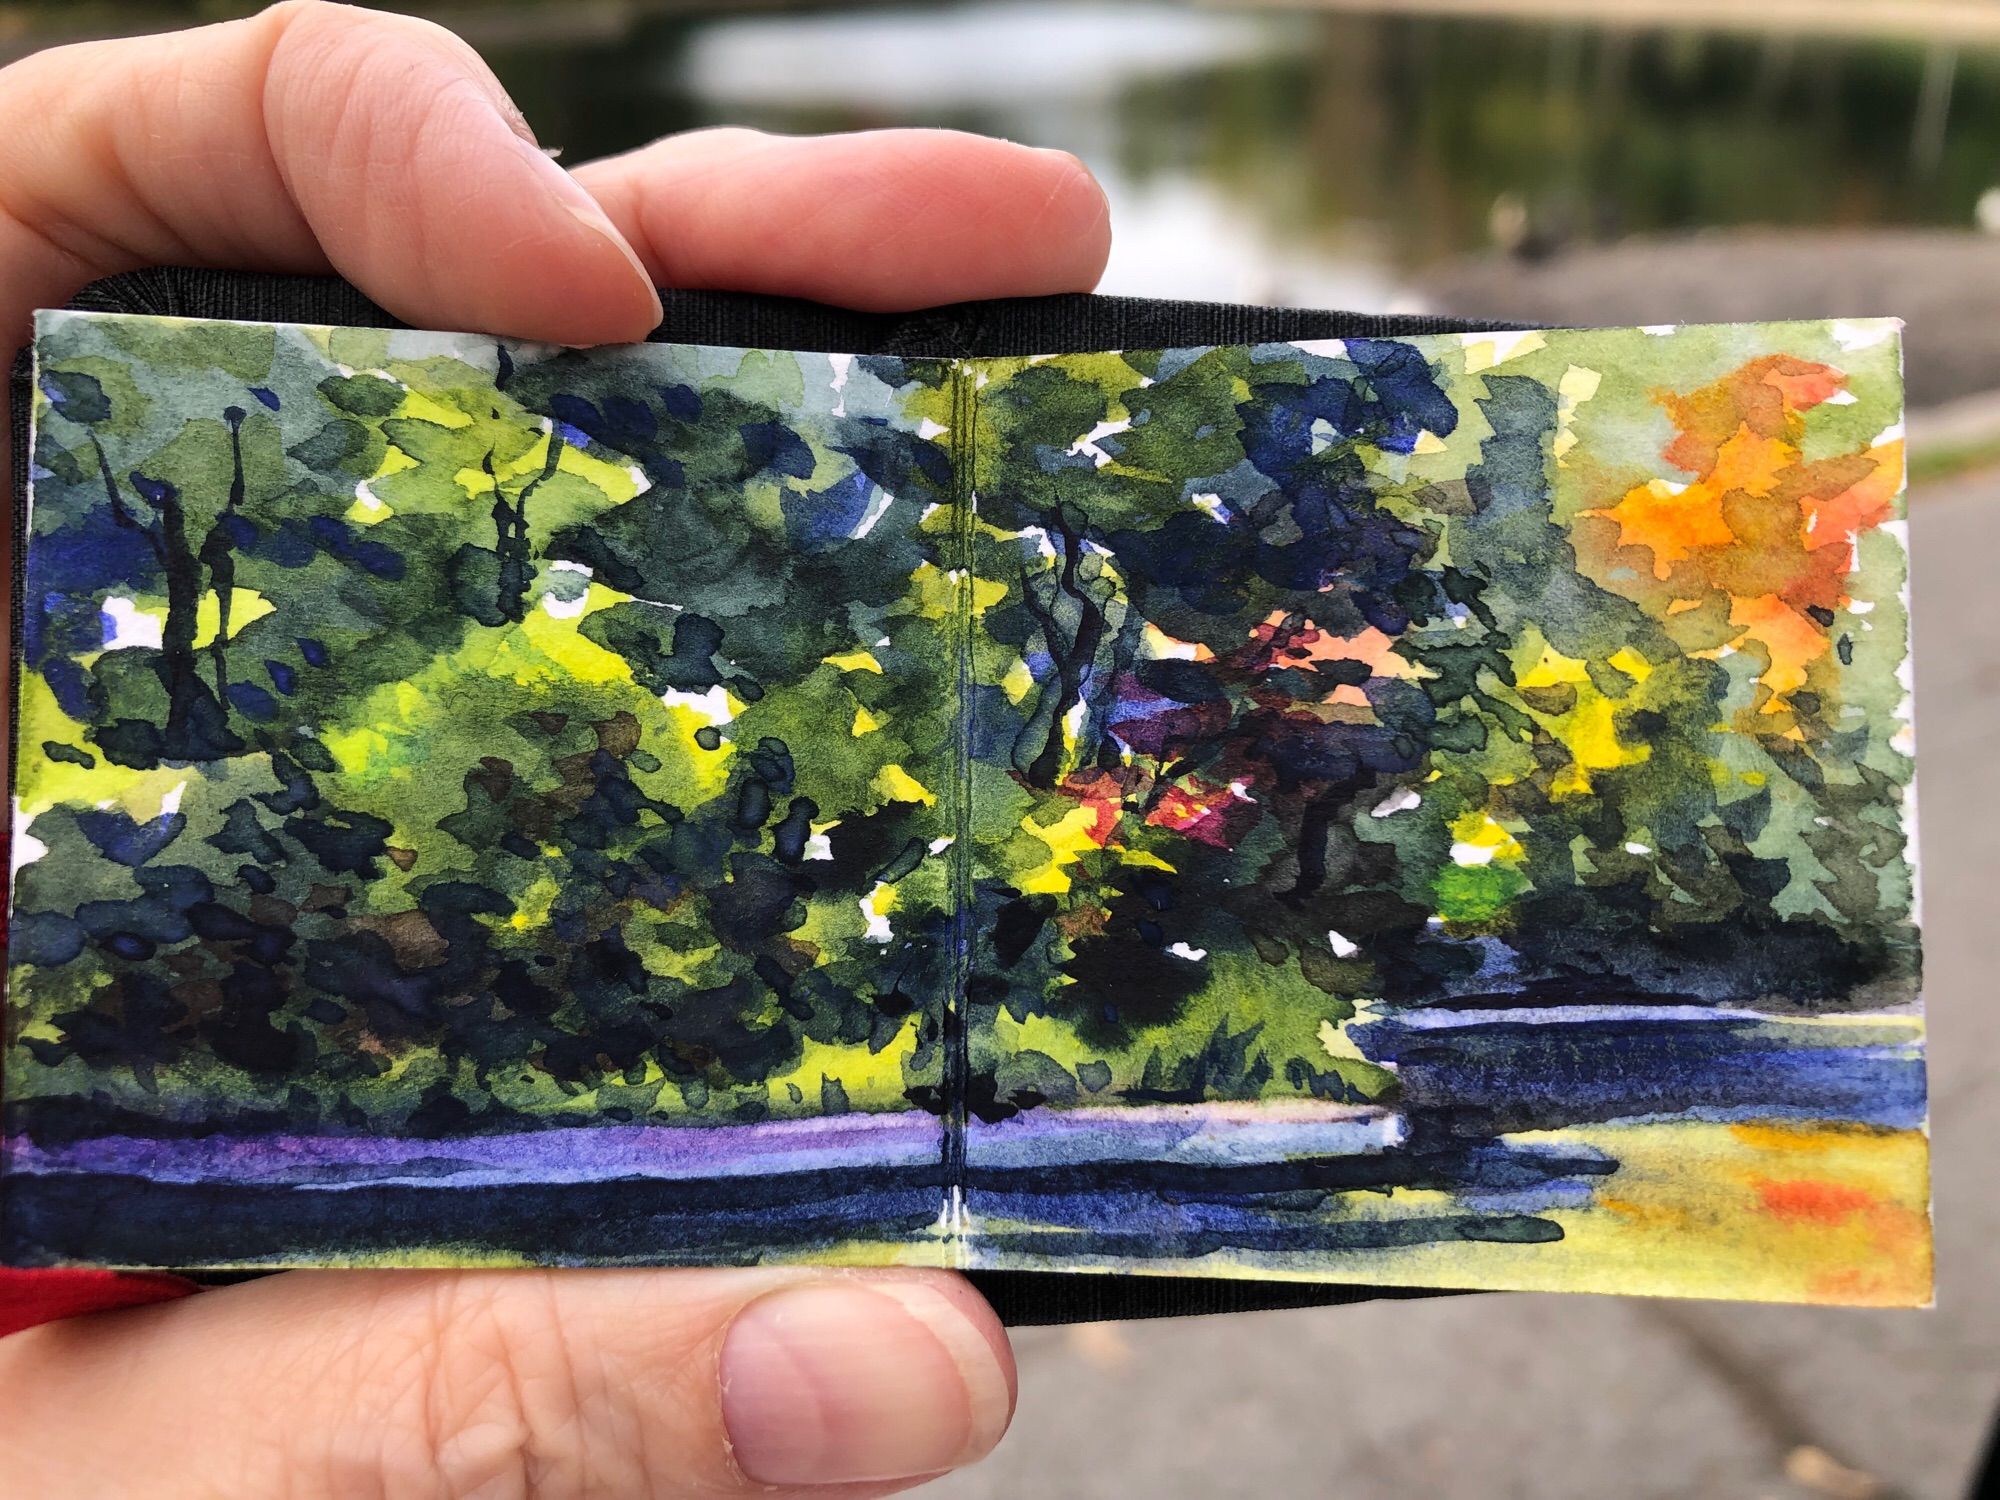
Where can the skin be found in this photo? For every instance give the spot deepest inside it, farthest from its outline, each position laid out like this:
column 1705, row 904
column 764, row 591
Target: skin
column 316, row 138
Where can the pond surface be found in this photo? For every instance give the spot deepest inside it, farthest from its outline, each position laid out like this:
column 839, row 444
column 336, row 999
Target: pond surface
column 1280, row 153
column 1598, row 1128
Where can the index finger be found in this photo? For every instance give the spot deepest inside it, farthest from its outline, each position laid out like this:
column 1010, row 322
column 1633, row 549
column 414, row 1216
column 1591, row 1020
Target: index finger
column 882, row 220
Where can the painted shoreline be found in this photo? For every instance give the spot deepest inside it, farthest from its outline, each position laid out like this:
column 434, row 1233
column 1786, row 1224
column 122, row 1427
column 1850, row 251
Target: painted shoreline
column 1193, row 1134
column 1481, row 1074
column 1510, row 1139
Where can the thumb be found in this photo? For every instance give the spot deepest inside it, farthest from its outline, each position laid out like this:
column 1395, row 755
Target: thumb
column 513, row 1385
column 306, row 138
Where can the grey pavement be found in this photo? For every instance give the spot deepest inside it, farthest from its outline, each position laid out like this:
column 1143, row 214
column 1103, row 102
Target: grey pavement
column 1598, row 1398
column 1944, row 284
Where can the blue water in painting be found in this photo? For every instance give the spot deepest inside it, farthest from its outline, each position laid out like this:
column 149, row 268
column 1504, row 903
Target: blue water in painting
column 1474, row 1087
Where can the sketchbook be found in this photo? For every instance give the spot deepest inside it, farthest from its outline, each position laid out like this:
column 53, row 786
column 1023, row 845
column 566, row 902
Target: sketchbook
column 1428, row 811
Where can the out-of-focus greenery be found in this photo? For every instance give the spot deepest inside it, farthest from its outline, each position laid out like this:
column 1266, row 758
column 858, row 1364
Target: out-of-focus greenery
column 1385, row 140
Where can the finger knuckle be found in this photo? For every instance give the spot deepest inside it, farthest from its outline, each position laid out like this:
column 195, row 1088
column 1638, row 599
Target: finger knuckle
column 323, row 22
column 369, row 89
column 283, row 15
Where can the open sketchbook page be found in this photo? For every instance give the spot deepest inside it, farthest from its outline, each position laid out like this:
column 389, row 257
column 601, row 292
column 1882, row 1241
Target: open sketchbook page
column 1428, row 811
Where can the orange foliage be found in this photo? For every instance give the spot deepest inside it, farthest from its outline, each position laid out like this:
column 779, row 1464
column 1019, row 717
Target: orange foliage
column 1104, row 795
column 1759, row 522
column 1292, row 643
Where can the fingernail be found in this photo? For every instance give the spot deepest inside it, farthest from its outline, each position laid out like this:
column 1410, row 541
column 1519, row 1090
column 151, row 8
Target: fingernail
column 591, row 217
column 575, row 200
column 838, row 1382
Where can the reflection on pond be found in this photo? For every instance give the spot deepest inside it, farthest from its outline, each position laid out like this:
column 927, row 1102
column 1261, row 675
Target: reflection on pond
column 1287, row 156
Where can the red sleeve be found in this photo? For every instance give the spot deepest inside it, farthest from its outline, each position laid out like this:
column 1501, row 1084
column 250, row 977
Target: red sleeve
column 31, row 1297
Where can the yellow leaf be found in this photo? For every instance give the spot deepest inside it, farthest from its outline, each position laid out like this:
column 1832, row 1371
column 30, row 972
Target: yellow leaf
column 898, row 785
column 855, row 661
column 245, row 605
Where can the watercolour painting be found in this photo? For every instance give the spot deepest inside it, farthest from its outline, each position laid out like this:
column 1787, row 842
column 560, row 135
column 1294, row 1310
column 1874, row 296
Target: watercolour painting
column 1418, row 811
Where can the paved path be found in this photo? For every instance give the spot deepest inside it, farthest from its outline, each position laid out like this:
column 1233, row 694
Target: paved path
column 1597, row 1398
column 1945, row 284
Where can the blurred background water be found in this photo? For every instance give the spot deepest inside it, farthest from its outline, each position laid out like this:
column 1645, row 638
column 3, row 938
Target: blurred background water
column 1333, row 158
column 1338, row 153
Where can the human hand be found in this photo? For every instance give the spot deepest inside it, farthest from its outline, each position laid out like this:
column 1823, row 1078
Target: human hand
column 315, row 138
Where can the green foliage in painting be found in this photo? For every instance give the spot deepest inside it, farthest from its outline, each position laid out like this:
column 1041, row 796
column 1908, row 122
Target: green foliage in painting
column 422, row 733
